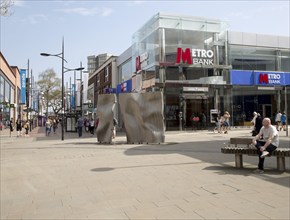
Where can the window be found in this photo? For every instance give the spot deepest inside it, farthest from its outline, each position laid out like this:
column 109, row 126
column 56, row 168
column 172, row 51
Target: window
column 98, row 79
column 7, row 92
column 107, row 74
column 1, row 89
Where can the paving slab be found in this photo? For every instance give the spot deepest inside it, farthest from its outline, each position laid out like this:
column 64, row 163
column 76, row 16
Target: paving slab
column 187, row 177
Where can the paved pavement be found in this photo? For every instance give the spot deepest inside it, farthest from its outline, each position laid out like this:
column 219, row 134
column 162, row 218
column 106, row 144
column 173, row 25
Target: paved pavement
column 187, row 177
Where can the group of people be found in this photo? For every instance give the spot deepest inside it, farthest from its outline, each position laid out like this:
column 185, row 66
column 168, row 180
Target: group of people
column 51, row 123
column 19, row 124
column 89, row 124
column 222, row 123
column 280, row 120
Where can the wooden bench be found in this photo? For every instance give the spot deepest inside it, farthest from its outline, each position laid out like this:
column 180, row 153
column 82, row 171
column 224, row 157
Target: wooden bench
column 240, row 146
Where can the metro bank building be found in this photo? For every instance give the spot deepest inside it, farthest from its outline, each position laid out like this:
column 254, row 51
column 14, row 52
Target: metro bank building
column 201, row 66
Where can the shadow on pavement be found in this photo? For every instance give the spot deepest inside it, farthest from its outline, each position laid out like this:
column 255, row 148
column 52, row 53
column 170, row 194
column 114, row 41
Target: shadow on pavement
column 210, row 152
column 104, row 169
column 273, row 176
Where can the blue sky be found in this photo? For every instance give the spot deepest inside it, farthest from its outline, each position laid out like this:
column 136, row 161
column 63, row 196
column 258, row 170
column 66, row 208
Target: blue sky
column 91, row 27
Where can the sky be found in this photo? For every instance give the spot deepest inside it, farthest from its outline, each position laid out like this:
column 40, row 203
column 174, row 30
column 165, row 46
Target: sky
column 92, row 27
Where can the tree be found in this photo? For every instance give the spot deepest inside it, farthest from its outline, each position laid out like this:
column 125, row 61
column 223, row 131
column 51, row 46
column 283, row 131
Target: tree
column 5, row 6
column 50, row 87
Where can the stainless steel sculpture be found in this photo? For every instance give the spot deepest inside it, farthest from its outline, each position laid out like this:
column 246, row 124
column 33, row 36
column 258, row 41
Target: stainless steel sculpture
column 105, row 113
column 143, row 118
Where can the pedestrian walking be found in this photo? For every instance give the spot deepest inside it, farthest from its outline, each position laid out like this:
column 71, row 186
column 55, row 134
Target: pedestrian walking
column 18, row 127
column 253, row 122
column 79, row 126
column 26, row 127
column 54, row 125
column 48, row 125
column 283, row 121
column 226, row 121
column 92, row 126
column 217, row 119
column 278, row 120
column 258, row 124
column 11, row 128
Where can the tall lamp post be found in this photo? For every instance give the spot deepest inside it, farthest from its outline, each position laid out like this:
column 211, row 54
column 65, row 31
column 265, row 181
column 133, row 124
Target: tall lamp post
column 286, row 110
column 63, row 70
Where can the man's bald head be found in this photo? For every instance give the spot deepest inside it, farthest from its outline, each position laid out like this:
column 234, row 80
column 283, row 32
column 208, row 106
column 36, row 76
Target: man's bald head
column 266, row 122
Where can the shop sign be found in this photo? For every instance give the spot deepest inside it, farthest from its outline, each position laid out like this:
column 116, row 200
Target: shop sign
column 195, row 89
column 138, row 64
column 194, row 56
column 141, row 61
column 109, row 90
column 23, row 85
column 270, row 78
column 249, row 77
column 124, row 87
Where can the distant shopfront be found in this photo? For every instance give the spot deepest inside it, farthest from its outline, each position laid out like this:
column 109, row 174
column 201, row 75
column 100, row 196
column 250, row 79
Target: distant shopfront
column 200, row 66
column 260, row 91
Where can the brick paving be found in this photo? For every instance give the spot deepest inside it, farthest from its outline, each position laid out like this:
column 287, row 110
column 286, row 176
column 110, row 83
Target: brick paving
column 187, row 177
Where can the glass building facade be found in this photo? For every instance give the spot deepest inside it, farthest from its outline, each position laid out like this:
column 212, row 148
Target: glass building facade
column 193, row 60
column 7, row 94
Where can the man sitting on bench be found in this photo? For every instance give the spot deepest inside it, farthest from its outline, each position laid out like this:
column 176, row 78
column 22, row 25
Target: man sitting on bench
column 268, row 143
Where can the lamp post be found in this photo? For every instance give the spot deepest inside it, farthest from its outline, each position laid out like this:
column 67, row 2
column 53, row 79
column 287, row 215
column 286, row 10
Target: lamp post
column 63, row 70
column 286, row 110
column 81, row 96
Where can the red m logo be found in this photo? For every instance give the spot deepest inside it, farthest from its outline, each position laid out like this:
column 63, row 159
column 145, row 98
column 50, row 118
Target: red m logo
column 263, row 78
column 184, row 55
column 138, row 64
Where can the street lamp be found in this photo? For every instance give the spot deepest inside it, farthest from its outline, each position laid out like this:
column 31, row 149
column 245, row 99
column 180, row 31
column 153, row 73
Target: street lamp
column 63, row 70
column 286, row 110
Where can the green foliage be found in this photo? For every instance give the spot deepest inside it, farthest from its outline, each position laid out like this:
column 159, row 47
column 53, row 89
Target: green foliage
column 50, row 85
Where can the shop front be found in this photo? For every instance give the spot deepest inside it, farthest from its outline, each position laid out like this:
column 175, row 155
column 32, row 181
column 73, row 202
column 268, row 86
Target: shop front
column 185, row 58
column 191, row 60
column 264, row 92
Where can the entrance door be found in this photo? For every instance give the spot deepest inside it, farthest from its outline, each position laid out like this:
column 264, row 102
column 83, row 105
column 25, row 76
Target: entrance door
column 195, row 106
column 267, row 111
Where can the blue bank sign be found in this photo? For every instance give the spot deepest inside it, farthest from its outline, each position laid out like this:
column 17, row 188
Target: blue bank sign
column 260, row 78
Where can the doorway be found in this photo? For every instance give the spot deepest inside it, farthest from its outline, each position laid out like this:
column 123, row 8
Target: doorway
column 267, row 110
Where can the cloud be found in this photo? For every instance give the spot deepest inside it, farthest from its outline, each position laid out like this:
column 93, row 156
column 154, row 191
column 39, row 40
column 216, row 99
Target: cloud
column 138, row 2
column 88, row 11
column 37, row 18
column 106, row 12
column 19, row 3
column 238, row 15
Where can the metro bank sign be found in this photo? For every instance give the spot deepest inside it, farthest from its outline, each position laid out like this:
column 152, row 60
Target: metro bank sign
column 270, row 78
column 260, row 78
column 194, row 56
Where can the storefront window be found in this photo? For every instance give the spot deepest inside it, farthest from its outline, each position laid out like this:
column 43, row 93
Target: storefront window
column 246, row 100
column 252, row 58
column 7, row 92
column 1, row 89
column 285, row 58
column 125, row 71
